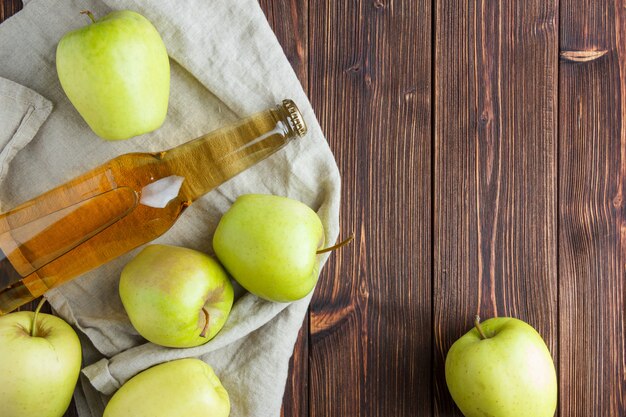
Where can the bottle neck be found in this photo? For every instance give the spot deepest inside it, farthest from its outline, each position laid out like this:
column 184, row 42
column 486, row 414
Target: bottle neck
column 213, row 159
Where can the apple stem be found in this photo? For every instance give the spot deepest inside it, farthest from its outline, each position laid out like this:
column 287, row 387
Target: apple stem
column 206, row 322
column 479, row 327
column 337, row 246
column 88, row 13
column 33, row 331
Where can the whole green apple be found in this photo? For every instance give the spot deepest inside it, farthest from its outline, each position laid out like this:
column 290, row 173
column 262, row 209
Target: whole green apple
column 116, row 73
column 40, row 359
column 176, row 297
column 502, row 368
column 269, row 245
column 185, row 387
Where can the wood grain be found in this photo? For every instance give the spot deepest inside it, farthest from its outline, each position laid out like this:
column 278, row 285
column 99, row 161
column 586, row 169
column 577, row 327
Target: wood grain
column 592, row 210
column 370, row 65
column 8, row 8
column 289, row 20
column 495, row 170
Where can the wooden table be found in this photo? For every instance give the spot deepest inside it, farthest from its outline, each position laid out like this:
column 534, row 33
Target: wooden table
column 483, row 151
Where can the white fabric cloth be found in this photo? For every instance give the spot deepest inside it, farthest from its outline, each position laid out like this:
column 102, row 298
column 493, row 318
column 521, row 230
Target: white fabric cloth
column 226, row 63
column 22, row 111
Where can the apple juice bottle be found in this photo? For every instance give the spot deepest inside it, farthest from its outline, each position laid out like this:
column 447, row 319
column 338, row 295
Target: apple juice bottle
column 126, row 202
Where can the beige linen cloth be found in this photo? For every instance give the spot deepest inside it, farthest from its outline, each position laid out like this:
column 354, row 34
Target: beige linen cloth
column 226, row 63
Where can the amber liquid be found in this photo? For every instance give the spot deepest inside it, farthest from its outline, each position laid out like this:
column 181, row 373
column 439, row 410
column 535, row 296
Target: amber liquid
column 104, row 213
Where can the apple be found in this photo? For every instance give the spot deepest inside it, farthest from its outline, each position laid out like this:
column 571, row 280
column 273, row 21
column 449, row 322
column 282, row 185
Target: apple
column 40, row 359
column 176, row 297
column 269, row 245
column 502, row 368
column 116, row 73
column 185, row 387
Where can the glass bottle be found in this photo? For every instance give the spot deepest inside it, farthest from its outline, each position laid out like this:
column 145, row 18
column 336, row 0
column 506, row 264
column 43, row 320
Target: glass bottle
column 125, row 203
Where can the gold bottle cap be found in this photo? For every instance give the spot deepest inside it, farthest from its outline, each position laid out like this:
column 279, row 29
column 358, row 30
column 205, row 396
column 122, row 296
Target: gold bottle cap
column 296, row 117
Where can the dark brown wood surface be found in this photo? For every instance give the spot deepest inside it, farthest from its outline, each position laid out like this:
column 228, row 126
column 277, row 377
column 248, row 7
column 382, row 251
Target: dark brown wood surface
column 482, row 146
column 592, row 208
column 495, row 170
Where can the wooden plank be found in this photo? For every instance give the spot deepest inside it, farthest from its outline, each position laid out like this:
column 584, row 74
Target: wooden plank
column 495, row 231
column 592, row 210
column 370, row 350
column 8, row 8
column 289, row 21
column 296, row 398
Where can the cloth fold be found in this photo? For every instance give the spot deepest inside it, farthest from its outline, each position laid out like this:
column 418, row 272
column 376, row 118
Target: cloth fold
column 22, row 112
column 225, row 63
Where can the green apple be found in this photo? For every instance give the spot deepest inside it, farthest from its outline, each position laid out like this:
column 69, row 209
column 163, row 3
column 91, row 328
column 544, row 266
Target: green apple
column 502, row 368
column 185, row 387
column 176, row 297
column 116, row 72
column 269, row 245
column 40, row 359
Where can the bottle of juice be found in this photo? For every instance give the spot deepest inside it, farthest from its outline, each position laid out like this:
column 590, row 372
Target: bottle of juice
column 126, row 202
